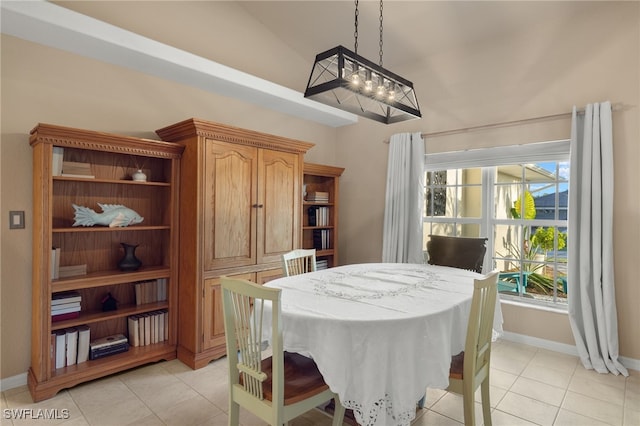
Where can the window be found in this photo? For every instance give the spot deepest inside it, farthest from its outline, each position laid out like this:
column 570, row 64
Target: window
column 518, row 199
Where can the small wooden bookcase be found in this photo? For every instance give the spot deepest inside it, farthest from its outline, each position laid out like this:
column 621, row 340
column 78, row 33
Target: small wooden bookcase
column 111, row 160
column 320, row 218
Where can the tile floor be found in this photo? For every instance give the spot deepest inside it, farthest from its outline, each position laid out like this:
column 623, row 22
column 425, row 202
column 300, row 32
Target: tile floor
column 529, row 386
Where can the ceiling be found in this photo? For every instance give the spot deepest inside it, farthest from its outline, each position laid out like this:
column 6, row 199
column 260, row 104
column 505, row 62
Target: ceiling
column 412, row 30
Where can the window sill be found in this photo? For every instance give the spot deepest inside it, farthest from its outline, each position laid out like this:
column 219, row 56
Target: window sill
column 534, row 304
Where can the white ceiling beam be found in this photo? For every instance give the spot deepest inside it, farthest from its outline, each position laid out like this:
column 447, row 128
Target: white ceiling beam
column 54, row 26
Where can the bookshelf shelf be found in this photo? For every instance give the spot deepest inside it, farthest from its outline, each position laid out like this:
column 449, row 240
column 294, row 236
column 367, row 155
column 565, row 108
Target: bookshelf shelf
column 72, row 375
column 109, row 181
column 113, row 277
column 323, row 236
column 110, row 159
column 96, row 316
column 107, row 229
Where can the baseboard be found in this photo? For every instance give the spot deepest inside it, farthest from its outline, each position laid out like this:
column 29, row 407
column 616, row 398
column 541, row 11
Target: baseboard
column 13, row 382
column 629, row 363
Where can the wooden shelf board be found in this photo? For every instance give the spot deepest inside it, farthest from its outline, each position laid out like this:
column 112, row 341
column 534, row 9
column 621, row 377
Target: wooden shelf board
column 97, row 316
column 110, row 181
column 107, row 229
column 102, row 278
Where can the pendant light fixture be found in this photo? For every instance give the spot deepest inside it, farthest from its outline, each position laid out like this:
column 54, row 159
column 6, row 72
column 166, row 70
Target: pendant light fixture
column 345, row 80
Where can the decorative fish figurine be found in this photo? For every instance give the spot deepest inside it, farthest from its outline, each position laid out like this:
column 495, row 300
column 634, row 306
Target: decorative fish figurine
column 113, row 215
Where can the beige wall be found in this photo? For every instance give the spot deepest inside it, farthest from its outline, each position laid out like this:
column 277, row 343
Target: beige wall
column 543, row 71
column 535, row 74
column 41, row 84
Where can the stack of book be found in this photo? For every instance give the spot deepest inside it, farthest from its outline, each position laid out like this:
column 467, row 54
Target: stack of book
column 72, row 270
column 76, row 169
column 151, row 291
column 70, row 346
column 65, row 305
column 318, row 197
column 109, row 345
column 148, row 328
column 322, row 264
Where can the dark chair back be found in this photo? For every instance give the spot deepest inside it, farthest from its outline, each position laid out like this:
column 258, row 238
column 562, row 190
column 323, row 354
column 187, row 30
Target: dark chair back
column 457, row 252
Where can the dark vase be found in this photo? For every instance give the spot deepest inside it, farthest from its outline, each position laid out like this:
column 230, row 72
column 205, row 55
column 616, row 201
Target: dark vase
column 129, row 262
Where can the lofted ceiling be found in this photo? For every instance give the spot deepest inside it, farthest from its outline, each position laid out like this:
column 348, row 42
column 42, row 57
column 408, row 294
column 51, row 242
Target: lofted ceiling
column 414, row 32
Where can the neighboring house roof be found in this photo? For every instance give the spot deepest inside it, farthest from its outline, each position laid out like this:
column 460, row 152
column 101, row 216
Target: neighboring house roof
column 549, row 200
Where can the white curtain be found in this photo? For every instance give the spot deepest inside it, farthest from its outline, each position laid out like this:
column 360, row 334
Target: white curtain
column 402, row 230
column 591, row 292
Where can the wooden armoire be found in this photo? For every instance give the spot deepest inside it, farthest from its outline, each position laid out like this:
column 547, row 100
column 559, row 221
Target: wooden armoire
column 240, row 203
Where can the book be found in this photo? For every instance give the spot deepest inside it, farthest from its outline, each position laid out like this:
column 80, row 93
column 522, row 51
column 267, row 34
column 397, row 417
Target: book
column 141, row 330
column 166, row 325
column 59, row 310
column 147, row 329
column 108, row 350
column 61, row 348
column 72, row 345
column 151, row 291
column 318, row 216
column 108, row 341
column 55, row 263
column 61, row 306
column 67, row 316
column 321, row 239
column 75, row 175
column 161, row 326
column 52, row 350
column 56, row 160
column 76, row 169
column 84, row 337
column 72, row 270
column 154, row 327
column 318, row 196
column 65, row 297
column 133, row 328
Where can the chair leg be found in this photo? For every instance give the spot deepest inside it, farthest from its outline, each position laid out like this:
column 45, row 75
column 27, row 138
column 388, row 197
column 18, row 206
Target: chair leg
column 234, row 414
column 486, row 405
column 338, row 412
column 469, row 408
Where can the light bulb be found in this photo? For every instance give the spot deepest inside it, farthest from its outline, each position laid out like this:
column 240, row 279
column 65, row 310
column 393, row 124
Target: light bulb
column 355, row 76
column 380, row 89
column 368, row 82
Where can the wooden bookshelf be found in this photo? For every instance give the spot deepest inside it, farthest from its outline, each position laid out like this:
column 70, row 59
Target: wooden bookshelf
column 112, row 159
column 324, row 179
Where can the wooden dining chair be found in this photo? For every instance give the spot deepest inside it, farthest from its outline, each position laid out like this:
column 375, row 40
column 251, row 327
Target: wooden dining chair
column 457, row 252
column 299, row 261
column 275, row 389
column 470, row 368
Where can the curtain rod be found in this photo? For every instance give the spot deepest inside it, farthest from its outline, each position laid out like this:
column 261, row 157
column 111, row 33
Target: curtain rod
column 614, row 107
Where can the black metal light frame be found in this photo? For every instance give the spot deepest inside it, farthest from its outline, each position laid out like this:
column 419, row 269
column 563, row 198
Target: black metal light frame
column 344, row 79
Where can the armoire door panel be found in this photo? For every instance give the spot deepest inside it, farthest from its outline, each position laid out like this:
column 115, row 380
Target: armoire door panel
column 213, row 316
column 278, row 177
column 229, row 199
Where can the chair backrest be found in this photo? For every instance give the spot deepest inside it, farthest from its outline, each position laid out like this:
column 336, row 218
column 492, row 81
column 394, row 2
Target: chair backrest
column 299, row 261
column 477, row 350
column 243, row 303
column 458, row 252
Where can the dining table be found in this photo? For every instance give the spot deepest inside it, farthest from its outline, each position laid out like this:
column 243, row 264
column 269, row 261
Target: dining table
column 380, row 333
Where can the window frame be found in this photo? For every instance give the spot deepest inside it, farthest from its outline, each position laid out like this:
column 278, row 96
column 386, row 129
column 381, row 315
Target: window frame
column 488, row 160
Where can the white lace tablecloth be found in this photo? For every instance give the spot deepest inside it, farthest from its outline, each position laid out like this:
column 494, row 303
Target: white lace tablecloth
column 380, row 333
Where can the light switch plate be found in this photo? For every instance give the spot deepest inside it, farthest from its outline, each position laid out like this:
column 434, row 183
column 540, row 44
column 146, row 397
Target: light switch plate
column 16, row 219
